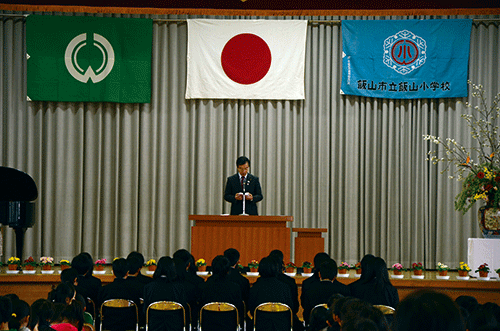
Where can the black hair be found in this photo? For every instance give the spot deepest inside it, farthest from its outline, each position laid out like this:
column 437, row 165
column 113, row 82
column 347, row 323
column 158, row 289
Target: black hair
column 220, row 266
column 242, row 160
column 69, row 275
column 165, row 269
column 277, row 254
column 73, row 314
column 61, row 293
column 318, row 259
column 328, row 269
column 41, row 313
column 428, row 310
column 268, row 267
column 120, row 267
column 362, row 324
column 136, row 261
column 232, row 255
column 5, row 309
column 82, row 264
column 188, row 259
column 469, row 303
column 367, row 272
column 20, row 310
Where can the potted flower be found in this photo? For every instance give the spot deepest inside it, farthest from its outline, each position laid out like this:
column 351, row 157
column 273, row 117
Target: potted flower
column 253, row 265
column 417, row 268
column 99, row 264
column 307, row 267
column 483, row 270
column 480, row 178
column 65, row 264
column 463, row 269
column 343, row 267
column 151, row 264
column 442, row 269
column 290, row 267
column 29, row 264
column 46, row 262
column 357, row 268
column 201, row 264
column 13, row 263
column 397, row 269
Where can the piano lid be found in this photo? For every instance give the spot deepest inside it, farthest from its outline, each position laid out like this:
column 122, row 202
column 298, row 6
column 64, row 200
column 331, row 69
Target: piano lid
column 16, row 185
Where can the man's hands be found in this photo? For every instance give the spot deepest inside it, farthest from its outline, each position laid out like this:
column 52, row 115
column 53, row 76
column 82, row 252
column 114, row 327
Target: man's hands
column 239, row 196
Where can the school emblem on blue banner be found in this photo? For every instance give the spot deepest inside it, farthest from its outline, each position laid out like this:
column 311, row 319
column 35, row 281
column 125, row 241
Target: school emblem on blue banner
column 405, row 59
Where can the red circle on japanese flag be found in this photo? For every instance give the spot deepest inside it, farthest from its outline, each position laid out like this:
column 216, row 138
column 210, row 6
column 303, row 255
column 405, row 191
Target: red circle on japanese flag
column 246, row 58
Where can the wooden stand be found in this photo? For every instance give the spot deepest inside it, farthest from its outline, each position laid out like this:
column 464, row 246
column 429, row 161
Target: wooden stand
column 307, row 244
column 253, row 236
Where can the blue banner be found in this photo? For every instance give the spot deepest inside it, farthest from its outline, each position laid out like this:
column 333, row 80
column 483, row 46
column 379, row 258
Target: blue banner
column 405, row 59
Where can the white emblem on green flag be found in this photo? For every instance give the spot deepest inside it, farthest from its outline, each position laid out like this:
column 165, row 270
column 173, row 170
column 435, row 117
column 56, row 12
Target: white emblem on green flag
column 89, row 59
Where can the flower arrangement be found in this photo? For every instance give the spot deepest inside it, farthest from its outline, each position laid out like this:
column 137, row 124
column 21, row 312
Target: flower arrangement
column 99, row 264
column 46, row 260
column 307, row 264
column 483, row 270
column 398, row 267
column 200, row 263
column 357, row 267
column 14, row 260
column 150, row 262
column 254, row 264
column 463, row 269
column 29, row 263
column 343, row 267
column 481, row 178
column 417, row 266
column 65, row 262
column 442, row 267
column 290, row 265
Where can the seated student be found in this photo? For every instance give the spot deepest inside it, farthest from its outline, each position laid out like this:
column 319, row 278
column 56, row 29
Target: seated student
column 136, row 262
column 88, row 285
column 376, row 288
column 164, row 287
column 357, row 309
column 307, row 283
column 5, row 312
column 41, row 313
column 234, row 274
column 483, row 317
column 20, row 315
column 277, row 255
column 321, row 291
column 268, row 288
column 118, row 289
column 428, row 310
column 70, row 318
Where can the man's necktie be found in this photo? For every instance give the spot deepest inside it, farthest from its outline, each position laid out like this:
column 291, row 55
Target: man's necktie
column 242, row 181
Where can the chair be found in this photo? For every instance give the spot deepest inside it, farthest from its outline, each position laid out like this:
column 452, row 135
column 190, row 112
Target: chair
column 166, row 306
column 217, row 308
column 116, row 305
column 90, row 304
column 88, row 327
column 315, row 310
column 272, row 308
column 386, row 310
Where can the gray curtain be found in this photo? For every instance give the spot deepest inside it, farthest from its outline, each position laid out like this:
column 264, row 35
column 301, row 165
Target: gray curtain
column 113, row 178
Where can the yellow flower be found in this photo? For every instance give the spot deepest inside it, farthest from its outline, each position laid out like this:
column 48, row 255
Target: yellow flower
column 463, row 266
column 480, row 196
column 13, row 260
column 151, row 262
column 200, row 261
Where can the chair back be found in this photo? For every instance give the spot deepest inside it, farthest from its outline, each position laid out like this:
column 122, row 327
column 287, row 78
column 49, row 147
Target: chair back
column 386, row 310
column 88, row 327
column 90, row 307
column 116, row 305
column 166, row 306
column 271, row 307
column 217, row 308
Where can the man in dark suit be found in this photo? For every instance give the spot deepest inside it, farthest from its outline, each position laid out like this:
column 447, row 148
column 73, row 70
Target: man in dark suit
column 243, row 185
column 119, row 289
column 321, row 291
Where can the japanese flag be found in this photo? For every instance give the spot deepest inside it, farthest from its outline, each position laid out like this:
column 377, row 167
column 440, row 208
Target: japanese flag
column 246, row 59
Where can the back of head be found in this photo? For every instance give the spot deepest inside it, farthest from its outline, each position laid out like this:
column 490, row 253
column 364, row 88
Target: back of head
column 82, row 264
column 120, row 267
column 278, row 255
column 220, row 266
column 328, row 269
column 135, row 264
column 165, row 269
column 41, row 311
column 232, row 255
column 380, row 272
column 356, row 310
column 72, row 314
column 5, row 309
column 20, row 310
column 180, row 268
column 428, row 310
column 482, row 317
column 63, row 293
column 320, row 258
column 69, row 275
column 268, row 267
column 361, row 324
column 469, row 303
column 188, row 259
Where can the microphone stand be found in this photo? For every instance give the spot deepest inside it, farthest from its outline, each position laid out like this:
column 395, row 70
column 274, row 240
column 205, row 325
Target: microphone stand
column 244, row 197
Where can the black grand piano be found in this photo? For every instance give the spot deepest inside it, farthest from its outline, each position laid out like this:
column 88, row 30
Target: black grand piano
column 17, row 209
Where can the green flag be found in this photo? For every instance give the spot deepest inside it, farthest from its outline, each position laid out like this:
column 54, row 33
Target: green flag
column 94, row 59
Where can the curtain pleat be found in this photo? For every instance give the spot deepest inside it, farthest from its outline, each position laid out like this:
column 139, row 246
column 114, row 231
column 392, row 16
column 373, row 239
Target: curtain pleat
column 113, row 178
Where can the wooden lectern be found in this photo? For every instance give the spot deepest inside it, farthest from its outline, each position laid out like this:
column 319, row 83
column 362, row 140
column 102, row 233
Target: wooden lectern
column 253, row 236
column 307, row 244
